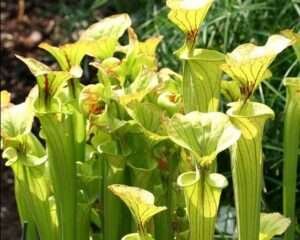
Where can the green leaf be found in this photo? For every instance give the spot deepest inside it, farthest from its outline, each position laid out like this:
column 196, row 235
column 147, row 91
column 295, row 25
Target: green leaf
column 16, row 138
column 49, row 82
column 272, row 224
column 11, row 155
column 83, row 215
column 16, row 120
column 106, row 73
column 249, row 63
column 37, row 68
column 149, row 117
column 144, row 83
column 204, row 134
column 140, row 202
column 145, row 51
column 74, row 53
column 52, row 82
column 69, row 55
column 49, row 86
column 140, row 56
column 188, row 15
column 25, row 148
column 141, row 162
column 102, row 48
column 139, row 59
column 171, row 81
column 113, row 27
column 89, row 176
column 58, row 54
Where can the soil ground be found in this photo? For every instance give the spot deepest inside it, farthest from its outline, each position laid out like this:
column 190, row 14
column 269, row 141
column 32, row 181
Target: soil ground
column 18, row 36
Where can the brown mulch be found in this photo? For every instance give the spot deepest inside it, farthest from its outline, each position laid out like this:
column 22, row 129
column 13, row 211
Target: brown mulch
column 20, row 36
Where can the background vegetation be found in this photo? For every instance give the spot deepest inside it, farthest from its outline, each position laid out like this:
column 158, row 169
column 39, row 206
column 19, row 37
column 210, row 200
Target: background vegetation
column 229, row 23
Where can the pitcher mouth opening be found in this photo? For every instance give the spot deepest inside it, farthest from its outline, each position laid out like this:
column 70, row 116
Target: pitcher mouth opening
column 249, row 110
column 135, row 236
column 217, row 180
column 205, row 55
column 188, row 179
column 292, row 81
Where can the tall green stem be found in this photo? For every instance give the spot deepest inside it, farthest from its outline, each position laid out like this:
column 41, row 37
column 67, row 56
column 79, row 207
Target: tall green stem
column 202, row 82
column 24, row 203
column 61, row 142
column 78, row 120
column 163, row 222
column 114, row 212
column 247, row 164
column 202, row 195
column 83, row 220
column 291, row 144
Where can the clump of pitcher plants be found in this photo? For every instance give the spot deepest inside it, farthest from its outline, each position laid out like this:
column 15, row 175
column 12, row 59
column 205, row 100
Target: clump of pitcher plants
column 133, row 154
